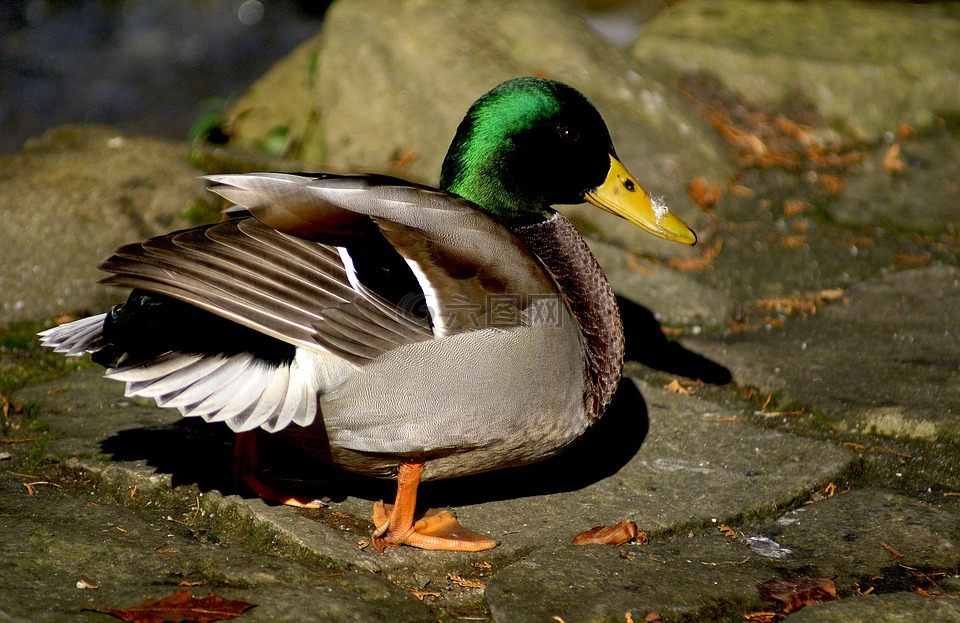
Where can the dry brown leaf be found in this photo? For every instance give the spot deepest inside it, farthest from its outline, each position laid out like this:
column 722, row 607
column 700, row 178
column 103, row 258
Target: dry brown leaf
column 481, row 565
column 696, row 264
column 727, row 531
column 182, row 606
column 87, row 585
column 796, row 208
column 464, row 582
column 831, row 184
column 621, row 533
column 904, row 131
column 762, row 617
column 892, row 162
column 796, row 593
column 831, row 295
column 893, row 552
column 421, row 594
column 912, row 260
column 690, row 264
column 792, row 242
column 675, row 387
column 633, row 264
column 703, row 193
column 739, row 190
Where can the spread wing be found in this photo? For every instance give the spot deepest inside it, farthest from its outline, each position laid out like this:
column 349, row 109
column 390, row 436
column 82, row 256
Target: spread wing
column 288, row 273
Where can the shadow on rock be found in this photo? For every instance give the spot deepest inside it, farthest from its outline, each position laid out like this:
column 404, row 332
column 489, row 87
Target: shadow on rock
column 195, row 452
column 646, row 344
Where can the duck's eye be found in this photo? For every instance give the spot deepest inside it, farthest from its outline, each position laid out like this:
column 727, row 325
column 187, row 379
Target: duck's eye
column 568, row 134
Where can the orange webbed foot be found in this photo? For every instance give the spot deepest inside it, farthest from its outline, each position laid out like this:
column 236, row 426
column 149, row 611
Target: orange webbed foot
column 436, row 530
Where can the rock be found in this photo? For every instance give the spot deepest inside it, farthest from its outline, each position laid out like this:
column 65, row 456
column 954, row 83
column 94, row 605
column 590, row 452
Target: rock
column 845, row 536
column 55, row 540
column 861, row 64
column 279, row 112
column 901, row 333
column 891, row 608
column 393, row 86
column 694, row 579
column 71, row 198
column 922, row 197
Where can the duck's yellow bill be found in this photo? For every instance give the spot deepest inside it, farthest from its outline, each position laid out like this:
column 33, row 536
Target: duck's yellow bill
column 622, row 195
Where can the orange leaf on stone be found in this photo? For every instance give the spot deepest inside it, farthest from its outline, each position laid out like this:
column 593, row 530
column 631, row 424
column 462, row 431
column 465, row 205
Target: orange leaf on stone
column 623, row 532
column 703, row 193
column 182, row 606
column 796, row 593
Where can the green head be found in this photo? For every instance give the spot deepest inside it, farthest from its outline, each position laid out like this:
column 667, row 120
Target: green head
column 531, row 143
column 526, row 145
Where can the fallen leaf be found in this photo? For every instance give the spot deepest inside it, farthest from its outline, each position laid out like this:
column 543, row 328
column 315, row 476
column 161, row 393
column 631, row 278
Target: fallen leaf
column 896, row 554
column 892, row 162
column 675, row 387
column 936, row 594
column 421, row 594
column 623, row 532
column 652, row 617
column 481, row 565
column 696, row 264
column 763, row 617
column 904, row 131
column 703, row 193
column 793, row 242
column 727, row 531
column 182, row 606
column 87, row 585
column 912, row 260
column 796, row 208
column 464, row 582
column 796, row 593
column 831, row 184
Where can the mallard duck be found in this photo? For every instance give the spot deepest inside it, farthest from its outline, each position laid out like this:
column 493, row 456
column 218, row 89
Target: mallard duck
column 394, row 329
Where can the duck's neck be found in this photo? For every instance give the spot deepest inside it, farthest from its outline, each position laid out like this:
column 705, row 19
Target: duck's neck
column 589, row 298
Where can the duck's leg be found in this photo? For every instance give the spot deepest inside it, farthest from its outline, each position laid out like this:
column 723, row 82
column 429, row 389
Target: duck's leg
column 246, row 462
column 437, row 530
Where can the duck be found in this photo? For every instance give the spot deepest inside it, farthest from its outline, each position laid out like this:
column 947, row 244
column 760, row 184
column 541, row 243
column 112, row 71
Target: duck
column 389, row 328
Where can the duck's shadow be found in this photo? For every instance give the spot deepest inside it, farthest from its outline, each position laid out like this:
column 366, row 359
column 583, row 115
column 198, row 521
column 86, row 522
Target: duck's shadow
column 195, row 452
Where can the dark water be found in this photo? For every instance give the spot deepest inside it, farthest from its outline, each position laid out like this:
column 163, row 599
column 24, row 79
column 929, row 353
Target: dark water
column 144, row 66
